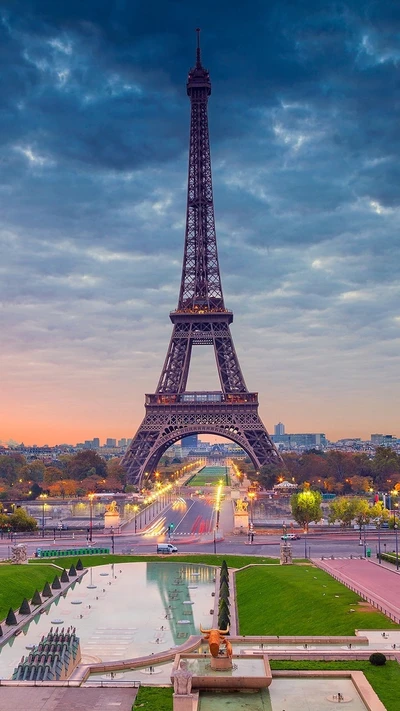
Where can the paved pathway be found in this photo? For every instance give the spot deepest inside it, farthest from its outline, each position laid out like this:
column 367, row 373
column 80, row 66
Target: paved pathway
column 376, row 583
column 65, row 699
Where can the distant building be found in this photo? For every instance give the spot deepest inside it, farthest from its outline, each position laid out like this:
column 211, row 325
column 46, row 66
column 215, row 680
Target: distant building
column 122, row 442
column 279, row 429
column 96, row 442
column 385, row 440
column 111, row 442
column 303, row 440
column 190, row 442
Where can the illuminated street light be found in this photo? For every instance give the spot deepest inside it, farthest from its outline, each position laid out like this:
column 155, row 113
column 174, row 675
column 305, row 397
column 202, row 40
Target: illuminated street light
column 91, row 497
column 43, row 497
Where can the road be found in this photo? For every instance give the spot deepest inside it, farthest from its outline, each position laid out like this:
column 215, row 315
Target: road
column 194, row 520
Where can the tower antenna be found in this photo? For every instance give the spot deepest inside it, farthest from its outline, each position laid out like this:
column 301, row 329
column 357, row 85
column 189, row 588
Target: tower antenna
column 198, row 51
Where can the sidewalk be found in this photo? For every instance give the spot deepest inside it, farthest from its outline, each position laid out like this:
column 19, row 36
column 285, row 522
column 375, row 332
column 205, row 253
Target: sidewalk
column 377, row 584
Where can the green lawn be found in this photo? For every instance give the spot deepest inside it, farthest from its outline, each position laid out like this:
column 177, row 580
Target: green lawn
column 19, row 581
column 233, row 561
column 384, row 680
column 299, row 600
column 153, row 699
column 210, row 475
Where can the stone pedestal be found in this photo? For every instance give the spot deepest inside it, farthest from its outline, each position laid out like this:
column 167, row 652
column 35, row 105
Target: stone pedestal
column 111, row 520
column 220, row 663
column 241, row 520
column 183, row 702
column 286, row 553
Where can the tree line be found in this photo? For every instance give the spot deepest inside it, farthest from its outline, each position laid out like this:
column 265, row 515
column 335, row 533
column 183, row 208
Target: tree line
column 332, row 471
column 71, row 475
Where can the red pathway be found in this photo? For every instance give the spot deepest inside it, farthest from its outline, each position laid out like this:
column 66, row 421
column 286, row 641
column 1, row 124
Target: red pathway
column 376, row 583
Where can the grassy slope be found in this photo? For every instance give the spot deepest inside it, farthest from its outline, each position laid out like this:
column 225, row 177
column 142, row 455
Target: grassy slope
column 19, row 581
column 299, row 600
column 233, row 561
column 384, row 680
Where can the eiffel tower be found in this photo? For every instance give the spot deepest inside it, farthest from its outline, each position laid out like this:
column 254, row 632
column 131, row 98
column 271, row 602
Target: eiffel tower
column 200, row 319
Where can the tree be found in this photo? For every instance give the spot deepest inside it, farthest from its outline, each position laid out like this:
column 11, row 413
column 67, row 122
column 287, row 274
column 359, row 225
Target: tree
column 342, row 509
column 33, row 471
column 51, row 475
column 360, row 484
column 21, row 521
column 10, row 466
column 306, row 507
column 86, row 464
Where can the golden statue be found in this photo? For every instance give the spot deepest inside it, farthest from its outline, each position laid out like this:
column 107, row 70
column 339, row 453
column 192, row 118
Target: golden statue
column 241, row 506
column 112, row 508
column 215, row 639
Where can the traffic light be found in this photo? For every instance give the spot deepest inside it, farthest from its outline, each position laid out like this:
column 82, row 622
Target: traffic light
column 171, row 526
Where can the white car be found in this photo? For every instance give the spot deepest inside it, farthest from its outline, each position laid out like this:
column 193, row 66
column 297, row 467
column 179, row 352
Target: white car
column 290, row 537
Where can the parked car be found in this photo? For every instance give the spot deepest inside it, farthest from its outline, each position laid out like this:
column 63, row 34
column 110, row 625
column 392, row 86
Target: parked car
column 290, row 537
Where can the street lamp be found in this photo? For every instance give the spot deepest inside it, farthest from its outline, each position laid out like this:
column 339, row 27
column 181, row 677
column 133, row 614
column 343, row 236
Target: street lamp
column 136, row 509
column 91, row 496
column 43, row 497
column 396, row 535
column 251, row 495
column 112, row 539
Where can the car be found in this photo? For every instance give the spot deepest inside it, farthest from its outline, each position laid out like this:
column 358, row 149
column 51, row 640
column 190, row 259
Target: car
column 166, row 548
column 290, row 537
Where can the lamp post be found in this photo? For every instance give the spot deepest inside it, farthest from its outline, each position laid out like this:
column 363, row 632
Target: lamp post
column 91, row 517
column 365, row 542
column 396, row 535
column 136, row 509
column 379, row 543
column 43, row 497
column 112, row 539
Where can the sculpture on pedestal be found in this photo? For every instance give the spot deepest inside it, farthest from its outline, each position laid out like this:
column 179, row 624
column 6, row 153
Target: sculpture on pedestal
column 216, row 639
column 182, row 679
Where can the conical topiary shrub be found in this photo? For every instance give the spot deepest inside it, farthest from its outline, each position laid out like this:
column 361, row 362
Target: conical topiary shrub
column 224, row 591
column 64, row 577
column 56, row 585
column 72, row 571
column 224, row 575
column 79, row 565
column 223, row 621
column 1, row 631
column 36, row 600
column 223, row 604
column 24, row 609
column 224, row 565
column 11, row 619
column 47, row 591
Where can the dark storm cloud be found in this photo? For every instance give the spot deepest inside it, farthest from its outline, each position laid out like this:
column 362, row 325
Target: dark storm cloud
column 305, row 137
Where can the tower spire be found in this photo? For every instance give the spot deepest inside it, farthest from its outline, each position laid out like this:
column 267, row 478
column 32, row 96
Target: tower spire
column 198, row 51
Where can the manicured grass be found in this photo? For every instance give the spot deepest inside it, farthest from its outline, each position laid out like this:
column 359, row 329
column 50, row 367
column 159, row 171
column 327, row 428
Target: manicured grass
column 384, row 680
column 299, row 600
column 153, row 699
column 19, row 581
column 233, row 561
column 210, row 475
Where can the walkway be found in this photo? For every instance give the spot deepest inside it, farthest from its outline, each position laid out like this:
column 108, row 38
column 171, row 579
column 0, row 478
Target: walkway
column 49, row 698
column 378, row 584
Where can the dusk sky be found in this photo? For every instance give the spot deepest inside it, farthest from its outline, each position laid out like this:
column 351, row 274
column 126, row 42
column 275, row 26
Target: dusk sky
column 305, row 143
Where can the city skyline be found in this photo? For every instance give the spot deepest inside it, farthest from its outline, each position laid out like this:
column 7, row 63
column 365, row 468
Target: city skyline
column 305, row 143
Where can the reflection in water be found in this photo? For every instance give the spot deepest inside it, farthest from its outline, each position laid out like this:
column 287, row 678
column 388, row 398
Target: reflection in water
column 174, row 582
column 134, row 610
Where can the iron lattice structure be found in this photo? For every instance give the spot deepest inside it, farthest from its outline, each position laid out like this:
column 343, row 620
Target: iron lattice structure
column 200, row 319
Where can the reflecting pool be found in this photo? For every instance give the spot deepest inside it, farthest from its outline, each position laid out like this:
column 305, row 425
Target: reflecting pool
column 124, row 610
column 289, row 694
